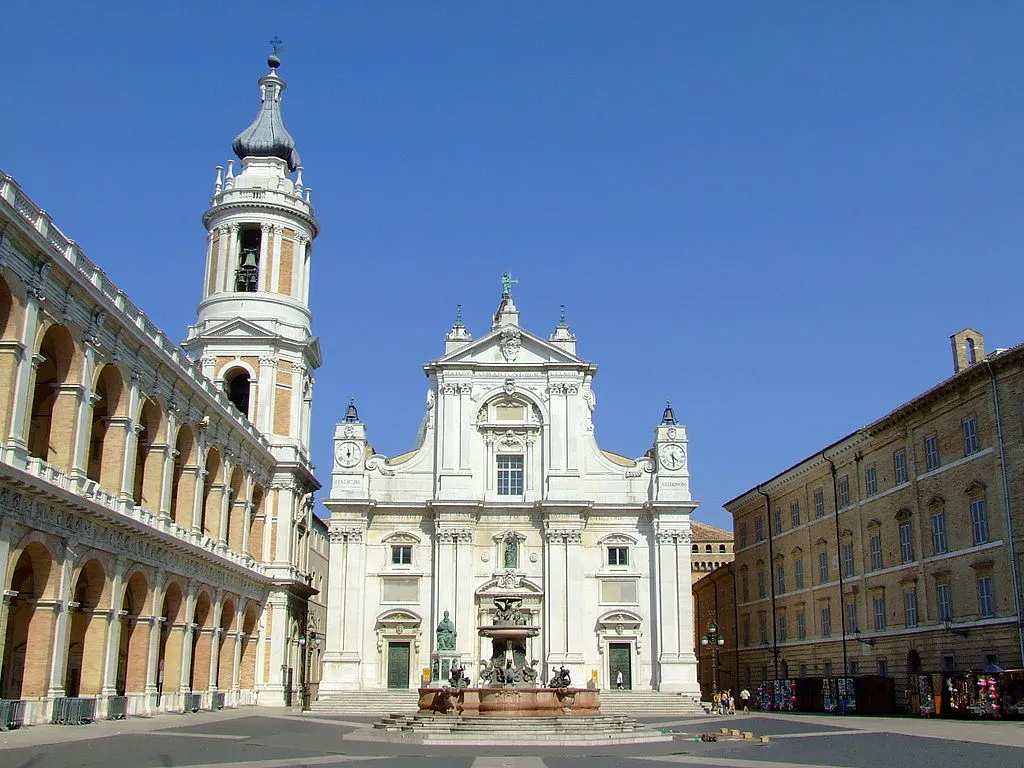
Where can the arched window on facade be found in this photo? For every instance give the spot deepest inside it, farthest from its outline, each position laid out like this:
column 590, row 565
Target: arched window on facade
column 236, row 387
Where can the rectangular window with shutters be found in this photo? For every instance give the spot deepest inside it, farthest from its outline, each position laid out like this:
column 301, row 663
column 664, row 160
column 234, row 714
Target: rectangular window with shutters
column 819, row 503
column 794, row 514
column 777, row 516
column 801, row 625
column 510, row 475
column 870, row 481
column 780, row 627
column 851, row 617
column 844, row 492
column 876, row 551
column 745, row 586
column 883, row 668
column 403, row 590
column 746, row 630
column 899, row 460
column 970, row 437
column 944, row 599
column 780, row 577
column 931, row 452
column 986, row 608
column 979, row 521
column 854, row 668
column 798, row 573
column 878, row 609
column 849, row 567
column 743, row 535
column 618, row 591
column 906, row 543
column 910, row 608
column 939, row 533
column 822, row 567
column 758, row 530
column 826, row 621
column 761, row 591
column 762, row 629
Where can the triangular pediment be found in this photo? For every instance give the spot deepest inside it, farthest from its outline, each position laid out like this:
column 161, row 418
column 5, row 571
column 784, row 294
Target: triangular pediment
column 513, row 346
column 237, row 328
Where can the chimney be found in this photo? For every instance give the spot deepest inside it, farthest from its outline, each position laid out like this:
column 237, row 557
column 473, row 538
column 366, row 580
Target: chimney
column 968, row 349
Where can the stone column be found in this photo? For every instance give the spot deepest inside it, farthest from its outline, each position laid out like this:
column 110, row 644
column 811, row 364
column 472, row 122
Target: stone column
column 58, row 654
column 215, row 638
column 131, row 446
column 555, row 606
column 677, row 663
column 6, row 534
column 87, row 399
column 185, row 681
column 21, row 398
column 344, row 632
column 153, row 667
column 113, row 644
column 230, row 259
column 198, row 493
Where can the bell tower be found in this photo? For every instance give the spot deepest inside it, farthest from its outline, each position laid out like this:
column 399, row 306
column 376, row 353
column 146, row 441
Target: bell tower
column 253, row 338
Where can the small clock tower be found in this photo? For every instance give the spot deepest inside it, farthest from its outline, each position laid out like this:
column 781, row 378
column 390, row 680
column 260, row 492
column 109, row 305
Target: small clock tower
column 671, row 454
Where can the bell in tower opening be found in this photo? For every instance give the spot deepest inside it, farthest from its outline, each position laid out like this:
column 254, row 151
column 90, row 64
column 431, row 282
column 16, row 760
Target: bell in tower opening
column 247, row 276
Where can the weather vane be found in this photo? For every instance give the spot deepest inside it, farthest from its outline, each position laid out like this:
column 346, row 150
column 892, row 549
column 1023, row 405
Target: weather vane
column 276, row 45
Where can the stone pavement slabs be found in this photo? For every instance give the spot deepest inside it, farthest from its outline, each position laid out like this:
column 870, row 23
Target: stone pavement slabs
column 771, row 726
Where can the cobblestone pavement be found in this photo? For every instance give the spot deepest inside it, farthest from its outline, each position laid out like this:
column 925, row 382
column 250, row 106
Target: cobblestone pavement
column 281, row 739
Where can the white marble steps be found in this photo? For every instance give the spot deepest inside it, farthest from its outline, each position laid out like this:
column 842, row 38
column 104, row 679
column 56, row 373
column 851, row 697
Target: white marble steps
column 577, row 730
column 648, row 703
column 367, row 702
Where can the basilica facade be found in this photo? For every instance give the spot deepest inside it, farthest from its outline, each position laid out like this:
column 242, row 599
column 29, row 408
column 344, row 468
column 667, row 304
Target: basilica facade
column 157, row 543
column 507, row 499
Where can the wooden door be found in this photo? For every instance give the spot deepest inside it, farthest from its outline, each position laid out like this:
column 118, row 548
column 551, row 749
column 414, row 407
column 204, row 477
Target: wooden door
column 620, row 659
column 398, row 665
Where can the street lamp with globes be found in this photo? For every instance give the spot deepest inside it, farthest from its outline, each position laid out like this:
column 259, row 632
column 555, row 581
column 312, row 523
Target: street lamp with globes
column 714, row 639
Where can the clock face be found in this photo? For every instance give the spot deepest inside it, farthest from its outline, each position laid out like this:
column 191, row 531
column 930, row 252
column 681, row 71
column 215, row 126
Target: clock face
column 347, row 454
column 673, row 456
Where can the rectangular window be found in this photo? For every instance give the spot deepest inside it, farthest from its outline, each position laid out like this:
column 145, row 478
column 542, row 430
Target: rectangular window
column 509, row 413
column 400, row 590
column 745, row 586
column 762, row 629
column 939, row 533
column 931, row 452
column 780, row 622
column 510, row 475
column 899, row 460
column 826, row 621
column 870, row 481
column 851, row 617
column 910, row 608
column 979, row 521
column 828, row 669
column 819, row 503
column 758, row 529
column 746, row 630
column 801, row 625
column 794, row 514
column 780, row 577
column 906, row 543
column 848, row 564
column 822, row 567
column 798, row 573
column 803, row 670
column 618, row 555
column 844, row 492
column 854, row 668
column 970, row 437
column 618, row 590
column 777, row 517
column 760, row 585
column 944, row 598
column 878, row 608
column 401, row 554
column 743, row 535
column 883, row 668
column 985, row 606
column 876, row 552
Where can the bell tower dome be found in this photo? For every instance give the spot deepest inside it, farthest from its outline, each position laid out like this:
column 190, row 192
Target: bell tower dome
column 253, row 335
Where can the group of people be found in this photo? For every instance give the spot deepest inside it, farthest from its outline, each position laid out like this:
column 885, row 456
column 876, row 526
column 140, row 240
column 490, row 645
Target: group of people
column 725, row 702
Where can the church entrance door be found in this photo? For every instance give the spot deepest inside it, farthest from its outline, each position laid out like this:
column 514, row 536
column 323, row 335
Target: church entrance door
column 398, row 665
column 619, row 660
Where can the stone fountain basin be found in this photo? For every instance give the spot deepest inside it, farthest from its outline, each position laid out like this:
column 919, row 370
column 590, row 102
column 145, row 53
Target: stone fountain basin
column 509, row 632
column 514, row 702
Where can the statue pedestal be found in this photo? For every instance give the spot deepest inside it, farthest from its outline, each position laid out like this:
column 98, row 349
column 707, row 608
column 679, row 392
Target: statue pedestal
column 441, row 663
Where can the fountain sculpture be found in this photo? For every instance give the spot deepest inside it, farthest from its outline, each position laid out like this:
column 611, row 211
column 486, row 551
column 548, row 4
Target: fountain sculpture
column 510, row 682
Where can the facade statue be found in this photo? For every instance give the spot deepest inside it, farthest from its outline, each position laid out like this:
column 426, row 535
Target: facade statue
column 457, row 677
column 511, row 552
column 446, row 634
column 560, row 679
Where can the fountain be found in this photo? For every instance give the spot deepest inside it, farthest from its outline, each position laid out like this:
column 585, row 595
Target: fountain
column 511, row 683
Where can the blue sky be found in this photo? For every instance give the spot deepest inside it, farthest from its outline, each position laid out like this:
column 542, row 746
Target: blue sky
column 774, row 214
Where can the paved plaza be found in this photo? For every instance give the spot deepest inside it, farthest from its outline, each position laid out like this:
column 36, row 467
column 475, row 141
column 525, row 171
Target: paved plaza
column 280, row 739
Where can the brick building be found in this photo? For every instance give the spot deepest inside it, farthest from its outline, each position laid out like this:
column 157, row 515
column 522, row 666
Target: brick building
column 895, row 550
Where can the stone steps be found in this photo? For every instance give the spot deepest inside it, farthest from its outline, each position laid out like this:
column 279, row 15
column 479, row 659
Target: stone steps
column 580, row 730
column 367, row 702
column 649, row 703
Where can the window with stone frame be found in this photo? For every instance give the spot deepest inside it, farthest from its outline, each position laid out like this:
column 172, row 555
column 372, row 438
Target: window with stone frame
column 745, row 624
column 910, row 607
column 743, row 535
column 906, row 542
column 851, row 616
column 878, row 612
column 780, row 576
column 510, row 475
column 899, row 460
column 849, row 563
column 745, row 585
column 798, row 572
column 871, row 481
column 777, row 515
column 762, row 629
column 844, row 492
column 819, row 503
column 758, row 529
column 780, row 627
column 979, row 521
column 931, row 452
column 971, row 444
column 801, row 625
column 762, row 591
column 822, row 567
column 875, row 543
column 826, row 621
column 939, row 543
column 944, row 601
column 794, row 514
column 618, row 555
column 401, row 554
column 986, row 606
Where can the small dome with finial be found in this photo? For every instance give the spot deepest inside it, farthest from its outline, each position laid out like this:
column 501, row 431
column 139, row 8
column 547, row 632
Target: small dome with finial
column 267, row 136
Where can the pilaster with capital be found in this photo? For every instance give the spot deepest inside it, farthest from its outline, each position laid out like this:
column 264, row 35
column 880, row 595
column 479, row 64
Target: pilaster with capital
column 345, row 595
column 23, row 381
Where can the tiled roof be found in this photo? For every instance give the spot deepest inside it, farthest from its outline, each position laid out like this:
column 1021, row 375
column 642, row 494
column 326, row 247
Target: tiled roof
column 704, row 532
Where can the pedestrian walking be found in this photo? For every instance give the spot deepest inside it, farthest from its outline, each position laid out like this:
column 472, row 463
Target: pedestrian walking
column 745, row 700
column 723, row 703
column 618, row 680
column 732, row 702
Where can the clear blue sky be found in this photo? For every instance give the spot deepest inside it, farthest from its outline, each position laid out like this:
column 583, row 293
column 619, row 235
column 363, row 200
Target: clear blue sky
column 774, row 214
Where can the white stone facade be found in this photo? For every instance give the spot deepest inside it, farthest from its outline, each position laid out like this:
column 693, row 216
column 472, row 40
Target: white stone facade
column 507, row 494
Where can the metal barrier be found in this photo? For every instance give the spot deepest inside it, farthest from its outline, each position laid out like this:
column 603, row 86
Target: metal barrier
column 193, row 701
column 74, row 711
column 217, row 701
column 117, row 707
column 12, row 714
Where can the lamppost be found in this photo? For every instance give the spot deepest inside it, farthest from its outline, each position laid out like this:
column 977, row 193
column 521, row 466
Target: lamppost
column 713, row 639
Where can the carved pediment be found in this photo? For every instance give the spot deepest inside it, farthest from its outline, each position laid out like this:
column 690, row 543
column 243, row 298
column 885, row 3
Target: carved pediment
column 398, row 618
column 510, row 345
column 619, row 622
column 618, row 538
column 400, row 537
column 509, row 583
